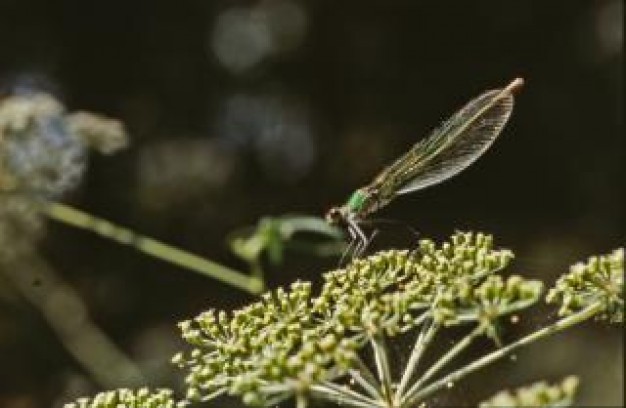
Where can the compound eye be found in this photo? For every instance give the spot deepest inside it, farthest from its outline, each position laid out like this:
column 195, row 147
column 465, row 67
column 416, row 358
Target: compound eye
column 334, row 216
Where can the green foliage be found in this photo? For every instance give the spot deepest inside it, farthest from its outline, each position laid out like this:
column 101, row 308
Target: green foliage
column 273, row 236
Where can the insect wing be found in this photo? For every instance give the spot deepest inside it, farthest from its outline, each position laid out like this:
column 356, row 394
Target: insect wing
column 462, row 140
column 453, row 146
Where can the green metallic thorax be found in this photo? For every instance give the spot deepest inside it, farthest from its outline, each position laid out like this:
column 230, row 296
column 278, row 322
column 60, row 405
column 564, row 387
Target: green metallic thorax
column 361, row 203
column 356, row 202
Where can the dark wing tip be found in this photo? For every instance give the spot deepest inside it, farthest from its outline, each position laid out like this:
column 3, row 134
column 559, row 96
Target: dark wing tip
column 515, row 85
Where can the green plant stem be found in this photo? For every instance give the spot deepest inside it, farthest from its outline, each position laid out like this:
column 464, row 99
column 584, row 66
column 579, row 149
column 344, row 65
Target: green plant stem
column 359, row 377
column 256, row 272
column 344, row 395
column 65, row 312
column 421, row 344
column 301, row 401
column 452, row 353
column 368, row 376
column 453, row 377
column 382, row 364
column 76, row 218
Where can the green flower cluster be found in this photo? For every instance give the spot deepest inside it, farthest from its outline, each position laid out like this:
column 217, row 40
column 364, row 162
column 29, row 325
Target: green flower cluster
column 125, row 398
column 289, row 341
column 599, row 281
column 394, row 291
column 539, row 394
column 485, row 303
column 271, row 348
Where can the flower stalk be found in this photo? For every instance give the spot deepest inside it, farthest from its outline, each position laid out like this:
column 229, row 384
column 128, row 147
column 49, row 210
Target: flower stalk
column 423, row 341
column 455, row 376
column 152, row 247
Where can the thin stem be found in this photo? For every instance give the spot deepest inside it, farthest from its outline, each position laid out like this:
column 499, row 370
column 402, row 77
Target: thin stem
column 357, row 376
column 344, row 395
column 421, row 344
column 256, row 272
column 366, row 379
column 64, row 310
column 213, row 395
column 452, row 353
column 564, row 323
column 277, row 399
column 72, row 216
column 301, row 401
column 382, row 364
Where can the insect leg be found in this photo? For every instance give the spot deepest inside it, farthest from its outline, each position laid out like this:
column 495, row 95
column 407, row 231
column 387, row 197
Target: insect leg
column 360, row 236
column 368, row 242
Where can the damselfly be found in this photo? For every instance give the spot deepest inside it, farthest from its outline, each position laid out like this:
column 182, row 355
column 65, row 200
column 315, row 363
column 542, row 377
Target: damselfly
column 449, row 149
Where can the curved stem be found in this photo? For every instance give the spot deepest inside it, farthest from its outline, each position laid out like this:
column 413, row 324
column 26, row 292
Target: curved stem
column 63, row 309
column 564, row 323
column 76, row 218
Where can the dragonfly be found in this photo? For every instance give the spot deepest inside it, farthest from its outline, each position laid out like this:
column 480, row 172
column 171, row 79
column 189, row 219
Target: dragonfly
column 448, row 150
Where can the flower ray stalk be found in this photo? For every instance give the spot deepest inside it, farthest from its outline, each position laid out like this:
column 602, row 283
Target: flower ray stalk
column 453, row 352
column 365, row 378
column 382, row 365
column 587, row 313
column 343, row 395
column 423, row 341
column 301, row 401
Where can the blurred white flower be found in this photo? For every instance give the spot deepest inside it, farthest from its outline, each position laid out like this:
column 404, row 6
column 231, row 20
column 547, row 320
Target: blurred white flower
column 104, row 134
column 39, row 154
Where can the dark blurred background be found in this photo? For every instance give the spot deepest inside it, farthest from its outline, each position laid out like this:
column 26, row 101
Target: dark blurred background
column 241, row 109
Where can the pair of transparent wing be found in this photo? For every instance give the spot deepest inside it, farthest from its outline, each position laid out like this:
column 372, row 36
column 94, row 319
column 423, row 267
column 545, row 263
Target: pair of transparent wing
column 452, row 147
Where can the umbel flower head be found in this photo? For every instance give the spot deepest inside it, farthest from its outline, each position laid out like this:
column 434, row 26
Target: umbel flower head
column 290, row 341
column 269, row 347
column 539, row 394
column 391, row 290
column 125, row 398
column 43, row 150
column 598, row 281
